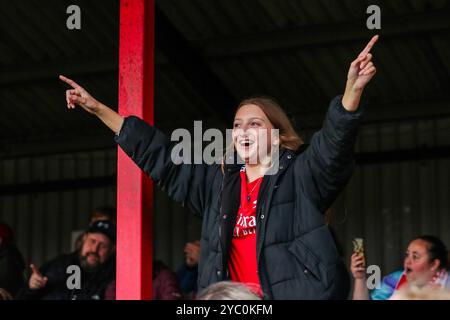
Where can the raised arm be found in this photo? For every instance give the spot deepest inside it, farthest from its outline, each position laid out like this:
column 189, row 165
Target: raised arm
column 360, row 290
column 150, row 149
column 79, row 96
column 360, row 73
column 329, row 158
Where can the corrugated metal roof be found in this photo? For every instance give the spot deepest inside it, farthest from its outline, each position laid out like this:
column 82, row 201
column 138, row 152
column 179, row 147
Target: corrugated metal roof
column 37, row 46
column 296, row 51
column 252, row 46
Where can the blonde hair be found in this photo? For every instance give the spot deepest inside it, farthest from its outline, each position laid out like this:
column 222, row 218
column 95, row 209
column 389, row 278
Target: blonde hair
column 289, row 139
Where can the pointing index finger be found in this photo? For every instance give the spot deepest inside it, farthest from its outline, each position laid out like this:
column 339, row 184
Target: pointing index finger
column 70, row 82
column 34, row 269
column 369, row 46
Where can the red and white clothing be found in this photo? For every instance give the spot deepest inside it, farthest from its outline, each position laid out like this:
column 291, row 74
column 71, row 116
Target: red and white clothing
column 242, row 263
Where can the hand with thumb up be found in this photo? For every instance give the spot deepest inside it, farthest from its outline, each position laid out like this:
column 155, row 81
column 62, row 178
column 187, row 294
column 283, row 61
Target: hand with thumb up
column 37, row 280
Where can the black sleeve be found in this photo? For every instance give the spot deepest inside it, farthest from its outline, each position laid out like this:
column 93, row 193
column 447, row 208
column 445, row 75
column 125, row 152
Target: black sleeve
column 27, row 294
column 55, row 271
column 151, row 151
column 329, row 158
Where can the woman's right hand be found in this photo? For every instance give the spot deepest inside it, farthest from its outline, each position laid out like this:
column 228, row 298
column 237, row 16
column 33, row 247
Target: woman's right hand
column 357, row 266
column 79, row 96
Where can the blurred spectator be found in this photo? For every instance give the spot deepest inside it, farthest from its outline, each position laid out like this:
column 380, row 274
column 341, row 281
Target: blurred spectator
column 228, row 290
column 165, row 284
column 96, row 259
column 425, row 266
column 103, row 213
column 110, row 291
column 188, row 273
column 417, row 293
column 12, row 264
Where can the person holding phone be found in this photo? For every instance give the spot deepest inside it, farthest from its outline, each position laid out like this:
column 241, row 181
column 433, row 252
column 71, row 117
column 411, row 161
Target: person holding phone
column 424, row 266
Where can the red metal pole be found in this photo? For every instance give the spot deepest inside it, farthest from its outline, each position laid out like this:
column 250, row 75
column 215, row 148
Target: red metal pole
column 134, row 189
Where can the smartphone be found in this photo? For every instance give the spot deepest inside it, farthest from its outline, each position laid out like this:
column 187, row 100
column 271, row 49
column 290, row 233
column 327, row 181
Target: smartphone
column 358, row 248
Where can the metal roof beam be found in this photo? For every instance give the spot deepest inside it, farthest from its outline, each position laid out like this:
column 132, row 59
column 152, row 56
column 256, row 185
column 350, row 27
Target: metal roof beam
column 49, row 72
column 325, row 34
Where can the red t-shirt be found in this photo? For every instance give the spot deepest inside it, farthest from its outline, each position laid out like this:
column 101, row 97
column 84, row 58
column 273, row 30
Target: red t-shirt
column 242, row 263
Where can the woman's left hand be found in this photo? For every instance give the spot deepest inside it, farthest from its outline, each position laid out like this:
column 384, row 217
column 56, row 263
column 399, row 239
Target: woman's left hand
column 360, row 73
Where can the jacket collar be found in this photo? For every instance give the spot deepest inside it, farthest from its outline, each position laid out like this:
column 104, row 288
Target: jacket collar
column 230, row 199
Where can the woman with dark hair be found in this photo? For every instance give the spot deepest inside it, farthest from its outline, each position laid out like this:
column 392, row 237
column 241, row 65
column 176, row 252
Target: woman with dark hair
column 425, row 266
column 263, row 222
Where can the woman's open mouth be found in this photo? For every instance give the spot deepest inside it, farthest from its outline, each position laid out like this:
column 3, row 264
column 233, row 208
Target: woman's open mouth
column 246, row 143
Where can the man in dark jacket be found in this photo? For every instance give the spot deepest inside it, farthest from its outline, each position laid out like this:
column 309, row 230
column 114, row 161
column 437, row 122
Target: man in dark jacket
column 12, row 264
column 95, row 260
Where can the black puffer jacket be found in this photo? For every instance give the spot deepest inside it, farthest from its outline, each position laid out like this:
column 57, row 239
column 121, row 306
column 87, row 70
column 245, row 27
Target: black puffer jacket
column 296, row 254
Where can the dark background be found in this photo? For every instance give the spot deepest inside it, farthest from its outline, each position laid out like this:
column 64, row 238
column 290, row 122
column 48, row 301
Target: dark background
column 56, row 165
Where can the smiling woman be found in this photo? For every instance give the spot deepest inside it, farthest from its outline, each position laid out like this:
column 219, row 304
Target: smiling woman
column 261, row 227
column 261, row 127
column 425, row 266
